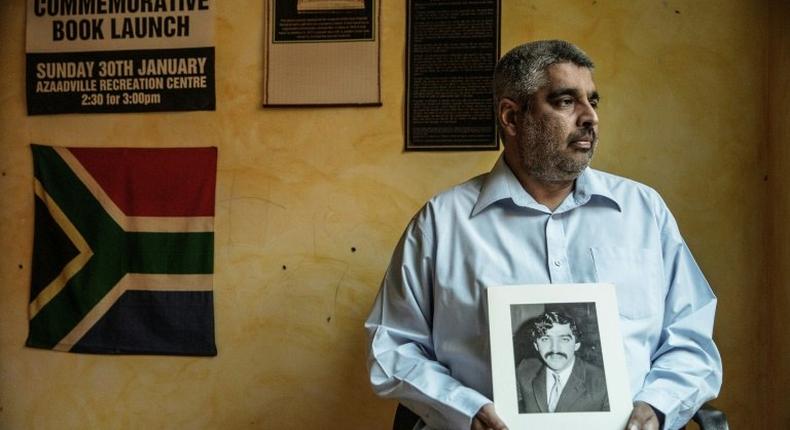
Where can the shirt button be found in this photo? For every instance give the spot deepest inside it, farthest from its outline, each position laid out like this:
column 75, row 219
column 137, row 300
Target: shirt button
column 557, row 263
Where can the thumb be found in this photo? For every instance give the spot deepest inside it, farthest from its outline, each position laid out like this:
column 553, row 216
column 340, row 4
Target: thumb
column 489, row 418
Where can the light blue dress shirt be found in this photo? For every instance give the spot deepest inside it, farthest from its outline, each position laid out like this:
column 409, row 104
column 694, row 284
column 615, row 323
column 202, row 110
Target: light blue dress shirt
column 428, row 327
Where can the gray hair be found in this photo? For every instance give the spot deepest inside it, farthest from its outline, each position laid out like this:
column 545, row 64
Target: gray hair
column 522, row 71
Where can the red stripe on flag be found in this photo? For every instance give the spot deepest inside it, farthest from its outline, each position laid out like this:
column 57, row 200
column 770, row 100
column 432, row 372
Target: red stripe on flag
column 155, row 181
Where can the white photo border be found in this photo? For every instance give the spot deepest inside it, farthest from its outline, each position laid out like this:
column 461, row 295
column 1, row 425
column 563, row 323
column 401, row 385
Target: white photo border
column 500, row 299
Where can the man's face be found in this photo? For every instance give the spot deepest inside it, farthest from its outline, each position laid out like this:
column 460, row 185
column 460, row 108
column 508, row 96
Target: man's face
column 558, row 133
column 557, row 347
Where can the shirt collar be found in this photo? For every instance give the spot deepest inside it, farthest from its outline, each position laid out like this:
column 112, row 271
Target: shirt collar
column 564, row 374
column 501, row 183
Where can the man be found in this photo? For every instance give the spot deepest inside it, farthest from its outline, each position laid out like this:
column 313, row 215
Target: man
column 541, row 216
column 559, row 381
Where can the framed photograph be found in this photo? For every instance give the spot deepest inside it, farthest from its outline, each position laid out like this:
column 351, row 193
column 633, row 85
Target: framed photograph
column 557, row 356
column 322, row 53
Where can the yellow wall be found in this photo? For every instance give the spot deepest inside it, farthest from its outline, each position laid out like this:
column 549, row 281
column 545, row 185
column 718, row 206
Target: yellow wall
column 777, row 87
column 683, row 85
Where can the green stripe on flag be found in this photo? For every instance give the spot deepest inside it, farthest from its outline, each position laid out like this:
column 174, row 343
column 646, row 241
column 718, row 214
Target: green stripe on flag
column 172, row 253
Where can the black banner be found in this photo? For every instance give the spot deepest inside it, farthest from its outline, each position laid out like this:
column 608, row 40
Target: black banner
column 121, row 81
column 452, row 49
column 119, row 56
column 306, row 21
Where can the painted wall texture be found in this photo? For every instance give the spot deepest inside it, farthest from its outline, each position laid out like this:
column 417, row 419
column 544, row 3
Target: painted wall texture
column 778, row 118
column 310, row 203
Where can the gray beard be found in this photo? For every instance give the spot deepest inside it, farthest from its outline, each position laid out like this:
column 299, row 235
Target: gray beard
column 539, row 153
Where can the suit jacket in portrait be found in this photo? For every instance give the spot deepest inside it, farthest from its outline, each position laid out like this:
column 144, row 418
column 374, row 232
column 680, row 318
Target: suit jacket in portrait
column 585, row 390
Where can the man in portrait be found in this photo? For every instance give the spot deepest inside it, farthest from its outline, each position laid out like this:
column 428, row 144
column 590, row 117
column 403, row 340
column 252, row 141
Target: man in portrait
column 559, row 381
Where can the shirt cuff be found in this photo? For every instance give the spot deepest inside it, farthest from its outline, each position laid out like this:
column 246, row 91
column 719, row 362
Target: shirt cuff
column 466, row 403
column 668, row 405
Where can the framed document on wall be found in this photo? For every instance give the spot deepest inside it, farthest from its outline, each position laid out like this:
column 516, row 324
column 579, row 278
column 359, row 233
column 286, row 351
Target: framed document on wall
column 322, row 53
column 451, row 50
column 557, row 356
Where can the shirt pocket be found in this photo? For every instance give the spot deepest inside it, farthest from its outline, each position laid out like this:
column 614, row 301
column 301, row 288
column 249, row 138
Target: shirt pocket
column 637, row 275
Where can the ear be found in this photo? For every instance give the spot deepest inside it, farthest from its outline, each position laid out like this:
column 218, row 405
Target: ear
column 535, row 345
column 578, row 345
column 506, row 115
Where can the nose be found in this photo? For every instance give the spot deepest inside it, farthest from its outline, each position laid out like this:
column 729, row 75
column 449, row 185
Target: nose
column 588, row 117
column 555, row 345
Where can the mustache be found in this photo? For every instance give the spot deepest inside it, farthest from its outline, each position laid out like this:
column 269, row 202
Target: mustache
column 584, row 134
column 561, row 354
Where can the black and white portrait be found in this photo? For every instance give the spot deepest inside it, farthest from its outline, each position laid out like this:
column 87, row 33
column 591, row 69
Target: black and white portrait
column 557, row 356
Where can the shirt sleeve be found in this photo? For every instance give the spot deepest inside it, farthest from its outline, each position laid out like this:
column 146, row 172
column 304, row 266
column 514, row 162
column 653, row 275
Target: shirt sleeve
column 401, row 360
column 686, row 366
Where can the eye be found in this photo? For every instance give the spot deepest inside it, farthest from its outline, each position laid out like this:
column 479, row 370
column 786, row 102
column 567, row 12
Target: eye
column 565, row 102
column 594, row 103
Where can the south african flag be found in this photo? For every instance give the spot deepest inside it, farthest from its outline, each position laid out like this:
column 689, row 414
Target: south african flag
column 123, row 252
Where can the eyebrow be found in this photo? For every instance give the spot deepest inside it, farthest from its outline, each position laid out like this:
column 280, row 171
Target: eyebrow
column 559, row 92
column 560, row 336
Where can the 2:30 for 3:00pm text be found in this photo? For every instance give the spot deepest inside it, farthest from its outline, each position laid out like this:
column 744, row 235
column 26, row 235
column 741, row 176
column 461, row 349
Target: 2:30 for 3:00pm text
column 108, row 99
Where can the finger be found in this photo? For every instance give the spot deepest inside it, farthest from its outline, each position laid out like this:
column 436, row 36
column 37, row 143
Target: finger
column 493, row 423
column 642, row 423
column 635, row 422
column 498, row 425
column 489, row 418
